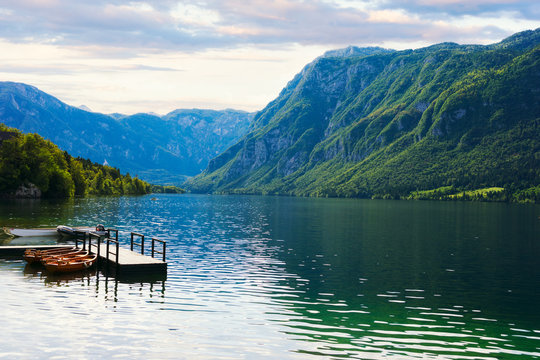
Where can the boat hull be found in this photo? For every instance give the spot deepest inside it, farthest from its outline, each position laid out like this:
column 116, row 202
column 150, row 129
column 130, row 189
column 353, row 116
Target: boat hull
column 59, row 230
column 67, row 266
column 67, row 231
column 32, row 255
column 33, row 232
column 75, row 255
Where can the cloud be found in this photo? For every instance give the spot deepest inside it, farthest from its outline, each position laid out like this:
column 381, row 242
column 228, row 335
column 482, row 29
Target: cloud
column 527, row 9
column 134, row 27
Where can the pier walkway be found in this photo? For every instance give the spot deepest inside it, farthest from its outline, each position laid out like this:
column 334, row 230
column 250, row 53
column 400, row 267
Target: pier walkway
column 112, row 257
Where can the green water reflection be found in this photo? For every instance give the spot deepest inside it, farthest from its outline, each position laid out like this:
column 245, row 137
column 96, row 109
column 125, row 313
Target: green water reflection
column 294, row 278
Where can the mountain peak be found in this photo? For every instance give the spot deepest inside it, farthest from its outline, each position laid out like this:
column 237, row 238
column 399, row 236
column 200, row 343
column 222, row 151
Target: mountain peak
column 351, row 51
column 350, row 124
column 85, row 108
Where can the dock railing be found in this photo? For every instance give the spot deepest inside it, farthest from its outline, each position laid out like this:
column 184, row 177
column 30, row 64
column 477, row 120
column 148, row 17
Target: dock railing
column 116, row 252
column 162, row 252
column 98, row 246
column 80, row 235
column 110, row 257
column 133, row 242
column 115, row 231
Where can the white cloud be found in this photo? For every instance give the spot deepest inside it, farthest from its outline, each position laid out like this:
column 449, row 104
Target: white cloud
column 129, row 55
column 142, row 26
column 393, row 16
column 245, row 78
column 509, row 21
column 189, row 14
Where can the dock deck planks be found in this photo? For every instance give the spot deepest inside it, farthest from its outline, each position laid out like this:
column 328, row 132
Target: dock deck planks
column 130, row 261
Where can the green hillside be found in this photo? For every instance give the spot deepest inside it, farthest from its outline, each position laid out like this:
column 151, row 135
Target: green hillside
column 29, row 159
column 390, row 124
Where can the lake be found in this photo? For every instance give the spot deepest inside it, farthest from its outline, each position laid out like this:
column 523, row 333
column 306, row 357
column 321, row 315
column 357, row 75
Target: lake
column 286, row 278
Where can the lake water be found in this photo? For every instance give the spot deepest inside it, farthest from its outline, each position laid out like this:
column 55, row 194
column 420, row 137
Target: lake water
column 286, row 278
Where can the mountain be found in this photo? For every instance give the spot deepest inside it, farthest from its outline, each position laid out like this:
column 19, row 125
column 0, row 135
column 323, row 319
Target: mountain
column 387, row 123
column 161, row 149
column 192, row 137
column 356, row 51
column 85, row 108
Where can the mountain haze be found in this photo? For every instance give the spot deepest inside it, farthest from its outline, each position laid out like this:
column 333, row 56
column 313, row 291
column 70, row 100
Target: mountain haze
column 387, row 123
column 158, row 148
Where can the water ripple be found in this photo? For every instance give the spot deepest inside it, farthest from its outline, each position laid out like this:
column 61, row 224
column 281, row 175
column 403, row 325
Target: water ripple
column 254, row 277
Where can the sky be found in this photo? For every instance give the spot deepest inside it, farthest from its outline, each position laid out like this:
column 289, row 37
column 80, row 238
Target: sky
column 157, row 56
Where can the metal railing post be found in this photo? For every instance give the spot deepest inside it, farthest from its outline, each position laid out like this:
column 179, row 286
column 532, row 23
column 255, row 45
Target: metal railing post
column 115, row 233
column 98, row 249
column 117, row 253
column 164, row 250
column 133, row 242
column 108, row 243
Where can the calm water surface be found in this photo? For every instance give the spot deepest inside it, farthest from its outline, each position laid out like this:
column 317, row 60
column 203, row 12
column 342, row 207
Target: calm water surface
column 286, row 278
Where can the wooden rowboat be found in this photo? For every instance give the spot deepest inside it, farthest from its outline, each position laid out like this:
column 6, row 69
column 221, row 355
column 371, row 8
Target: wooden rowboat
column 64, row 266
column 50, row 251
column 79, row 254
column 33, row 255
column 57, row 259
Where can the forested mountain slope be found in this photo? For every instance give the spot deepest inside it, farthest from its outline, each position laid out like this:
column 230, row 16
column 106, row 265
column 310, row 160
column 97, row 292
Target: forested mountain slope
column 31, row 166
column 388, row 123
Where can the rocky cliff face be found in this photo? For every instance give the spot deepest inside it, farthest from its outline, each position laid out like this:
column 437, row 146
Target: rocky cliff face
column 355, row 123
column 303, row 115
column 159, row 149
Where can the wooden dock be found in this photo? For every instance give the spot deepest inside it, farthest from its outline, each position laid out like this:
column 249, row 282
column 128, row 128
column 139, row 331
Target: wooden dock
column 112, row 258
column 128, row 261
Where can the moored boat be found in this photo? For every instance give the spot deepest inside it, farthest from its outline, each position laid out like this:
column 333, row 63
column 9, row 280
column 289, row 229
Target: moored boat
column 78, row 254
column 32, row 232
column 63, row 230
column 68, row 231
column 70, row 265
column 33, row 255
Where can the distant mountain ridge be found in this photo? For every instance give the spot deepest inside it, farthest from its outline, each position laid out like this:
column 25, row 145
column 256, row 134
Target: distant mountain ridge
column 387, row 123
column 162, row 149
column 356, row 51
